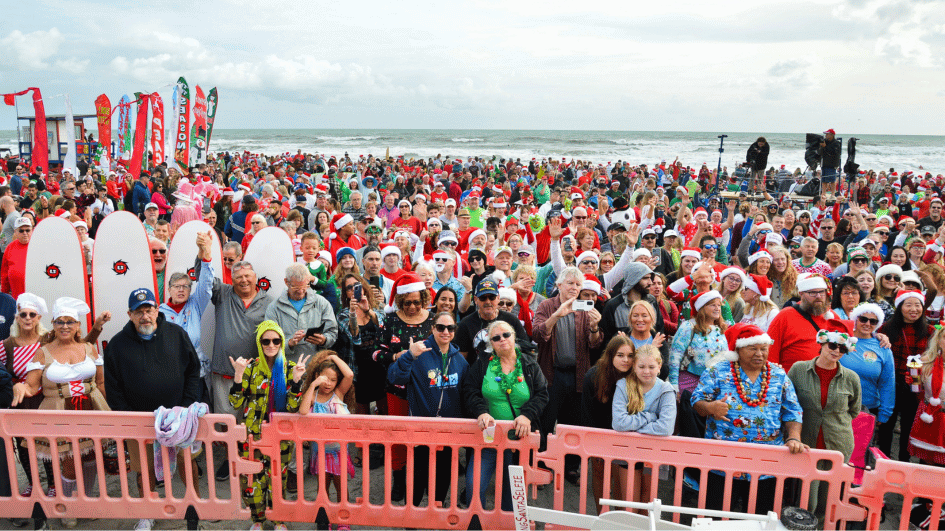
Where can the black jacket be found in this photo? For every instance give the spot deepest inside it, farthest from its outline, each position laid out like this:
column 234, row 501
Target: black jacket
column 474, row 404
column 143, row 375
column 830, row 154
column 758, row 156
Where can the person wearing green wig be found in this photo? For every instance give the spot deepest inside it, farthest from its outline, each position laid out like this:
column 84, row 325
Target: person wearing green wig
column 265, row 384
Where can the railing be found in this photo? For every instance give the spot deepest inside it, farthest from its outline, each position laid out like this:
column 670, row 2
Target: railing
column 665, row 465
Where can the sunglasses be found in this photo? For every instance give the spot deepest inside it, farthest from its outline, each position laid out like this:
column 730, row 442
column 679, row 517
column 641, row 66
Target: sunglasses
column 763, row 232
column 447, row 244
column 413, row 303
column 25, row 231
column 859, row 260
column 508, row 304
column 710, row 247
column 274, row 341
column 524, row 255
column 892, row 277
column 649, row 237
column 608, row 261
column 867, row 320
column 60, row 322
column 28, row 315
column 475, row 258
column 579, row 217
column 588, row 262
column 836, row 346
column 488, row 297
column 441, row 260
column 500, row 337
column 158, row 251
column 445, row 328
column 373, row 230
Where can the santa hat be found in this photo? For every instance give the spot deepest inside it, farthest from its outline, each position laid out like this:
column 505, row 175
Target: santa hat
column 409, row 282
column 836, row 331
column 591, row 283
column 904, row 294
column 733, row 271
column 390, row 248
column 690, row 252
column 810, row 281
column 339, row 220
column 759, row 284
column 701, row 299
column 587, row 255
column 477, row 232
column 868, row 307
column 743, row 335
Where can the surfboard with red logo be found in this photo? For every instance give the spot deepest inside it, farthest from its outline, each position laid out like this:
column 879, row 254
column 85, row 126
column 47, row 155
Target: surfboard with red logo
column 121, row 263
column 270, row 252
column 55, row 266
column 180, row 258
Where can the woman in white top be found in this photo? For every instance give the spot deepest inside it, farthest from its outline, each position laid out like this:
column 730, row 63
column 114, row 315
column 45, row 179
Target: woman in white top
column 69, row 373
column 759, row 309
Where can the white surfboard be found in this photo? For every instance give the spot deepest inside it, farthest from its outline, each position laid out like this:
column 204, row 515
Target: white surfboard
column 270, row 252
column 180, row 258
column 55, row 266
column 121, row 263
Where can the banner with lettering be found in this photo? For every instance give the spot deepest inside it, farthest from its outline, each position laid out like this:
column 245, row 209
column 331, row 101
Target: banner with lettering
column 40, row 154
column 198, row 135
column 211, row 114
column 182, row 134
column 103, row 117
column 124, row 130
column 157, row 128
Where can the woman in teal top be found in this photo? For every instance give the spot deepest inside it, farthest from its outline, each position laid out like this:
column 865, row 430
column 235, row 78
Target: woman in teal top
column 504, row 386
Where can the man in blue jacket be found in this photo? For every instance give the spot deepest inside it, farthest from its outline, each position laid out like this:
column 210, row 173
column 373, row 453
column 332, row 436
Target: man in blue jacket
column 141, row 195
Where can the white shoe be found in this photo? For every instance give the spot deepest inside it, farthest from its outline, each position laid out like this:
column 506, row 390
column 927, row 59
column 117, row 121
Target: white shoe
column 145, row 524
column 257, row 526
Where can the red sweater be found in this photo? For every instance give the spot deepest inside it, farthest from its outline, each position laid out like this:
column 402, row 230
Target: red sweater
column 794, row 337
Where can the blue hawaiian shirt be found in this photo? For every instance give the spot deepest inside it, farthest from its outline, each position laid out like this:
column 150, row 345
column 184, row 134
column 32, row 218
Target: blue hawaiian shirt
column 691, row 352
column 743, row 423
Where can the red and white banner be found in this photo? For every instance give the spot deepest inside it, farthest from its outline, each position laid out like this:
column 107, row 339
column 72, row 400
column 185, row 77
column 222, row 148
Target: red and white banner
column 157, row 128
column 40, row 154
column 103, row 116
column 198, row 143
column 141, row 126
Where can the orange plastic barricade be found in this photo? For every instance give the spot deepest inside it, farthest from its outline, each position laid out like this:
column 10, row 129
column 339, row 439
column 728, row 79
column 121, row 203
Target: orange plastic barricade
column 114, row 500
column 911, row 481
column 674, row 458
column 371, row 508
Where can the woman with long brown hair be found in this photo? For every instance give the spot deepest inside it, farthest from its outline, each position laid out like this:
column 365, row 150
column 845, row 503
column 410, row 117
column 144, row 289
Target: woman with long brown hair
column 600, row 383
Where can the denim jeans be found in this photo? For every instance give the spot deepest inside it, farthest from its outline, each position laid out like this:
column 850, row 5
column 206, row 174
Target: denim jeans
column 486, row 470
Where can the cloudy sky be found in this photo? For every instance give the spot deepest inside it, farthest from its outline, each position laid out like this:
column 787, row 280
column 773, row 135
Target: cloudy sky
column 856, row 65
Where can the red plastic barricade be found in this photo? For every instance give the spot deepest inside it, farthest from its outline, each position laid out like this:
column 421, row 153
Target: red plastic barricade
column 114, row 499
column 364, row 507
column 912, row 482
column 670, row 460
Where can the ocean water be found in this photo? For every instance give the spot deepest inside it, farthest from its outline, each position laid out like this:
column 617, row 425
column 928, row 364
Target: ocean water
column 873, row 151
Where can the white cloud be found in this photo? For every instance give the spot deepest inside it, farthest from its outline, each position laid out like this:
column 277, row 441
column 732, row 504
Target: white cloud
column 30, row 51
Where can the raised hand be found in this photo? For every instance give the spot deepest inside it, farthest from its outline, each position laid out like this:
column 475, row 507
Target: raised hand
column 299, row 370
column 239, row 367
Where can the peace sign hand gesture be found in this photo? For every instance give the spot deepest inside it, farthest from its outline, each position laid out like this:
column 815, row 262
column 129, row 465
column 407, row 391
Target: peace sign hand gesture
column 299, row 370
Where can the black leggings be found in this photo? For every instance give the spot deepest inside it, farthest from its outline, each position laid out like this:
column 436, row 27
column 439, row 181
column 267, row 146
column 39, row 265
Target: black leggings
column 906, row 405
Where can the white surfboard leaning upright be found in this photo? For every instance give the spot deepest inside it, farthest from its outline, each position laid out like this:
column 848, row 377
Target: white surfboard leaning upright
column 121, row 263
column 55, row 266
column 180, row 259
column 270, row 252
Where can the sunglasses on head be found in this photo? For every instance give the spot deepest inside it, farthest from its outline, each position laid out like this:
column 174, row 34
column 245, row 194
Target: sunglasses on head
column 445, row 328
column 867, row 320
column 274, row 341
column 836, row 346
column 499, row 337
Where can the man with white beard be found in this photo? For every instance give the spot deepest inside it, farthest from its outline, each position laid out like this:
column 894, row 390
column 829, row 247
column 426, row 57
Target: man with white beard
column 445, row 266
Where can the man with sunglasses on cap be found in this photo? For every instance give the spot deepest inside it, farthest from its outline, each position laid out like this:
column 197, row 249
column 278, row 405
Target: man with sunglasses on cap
column 151, row 363
column 471, row 334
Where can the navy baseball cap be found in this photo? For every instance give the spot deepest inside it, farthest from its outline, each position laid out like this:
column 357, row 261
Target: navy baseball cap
column 140, row 297
column 487, row 287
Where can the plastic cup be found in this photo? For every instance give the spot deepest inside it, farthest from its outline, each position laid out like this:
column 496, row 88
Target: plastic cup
column 488, row 434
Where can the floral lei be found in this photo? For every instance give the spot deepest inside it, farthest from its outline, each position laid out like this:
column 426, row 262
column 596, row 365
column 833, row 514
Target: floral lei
column 762, row 394
column 506, row 381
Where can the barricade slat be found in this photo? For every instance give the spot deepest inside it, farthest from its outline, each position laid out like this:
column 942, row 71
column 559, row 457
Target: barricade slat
column 134, row 428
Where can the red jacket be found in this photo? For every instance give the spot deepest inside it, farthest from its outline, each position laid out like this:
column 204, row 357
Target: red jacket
column 13, row 269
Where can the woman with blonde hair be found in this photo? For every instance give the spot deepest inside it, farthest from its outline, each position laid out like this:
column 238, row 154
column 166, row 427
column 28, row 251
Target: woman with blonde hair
column 834, row 255
column 782, row 275
column 731, row 283
column 759, row 310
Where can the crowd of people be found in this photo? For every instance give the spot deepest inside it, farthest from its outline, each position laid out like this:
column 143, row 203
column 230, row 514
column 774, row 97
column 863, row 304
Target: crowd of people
column 660, row 300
